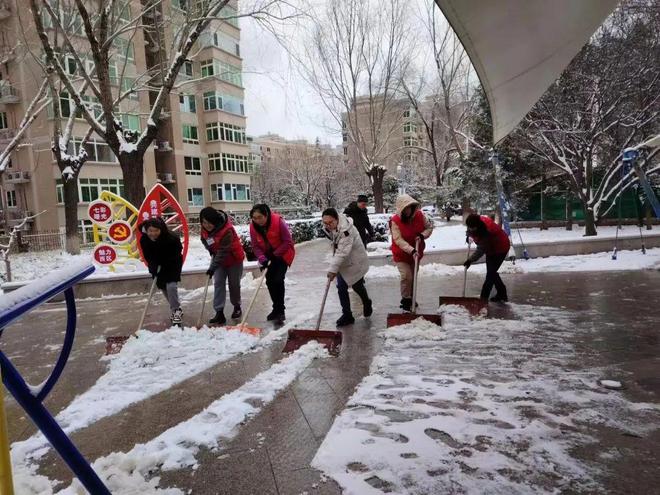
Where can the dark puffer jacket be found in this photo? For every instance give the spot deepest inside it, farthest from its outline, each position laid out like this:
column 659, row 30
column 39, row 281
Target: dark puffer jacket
column 166, row 252
column 361, row 221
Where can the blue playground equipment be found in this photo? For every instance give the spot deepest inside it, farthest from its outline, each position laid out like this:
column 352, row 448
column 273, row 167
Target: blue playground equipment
column 13, row 306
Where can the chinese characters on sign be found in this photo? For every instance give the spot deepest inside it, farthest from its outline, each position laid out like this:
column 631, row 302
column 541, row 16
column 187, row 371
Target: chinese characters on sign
column 99, row 212
column 105, row 254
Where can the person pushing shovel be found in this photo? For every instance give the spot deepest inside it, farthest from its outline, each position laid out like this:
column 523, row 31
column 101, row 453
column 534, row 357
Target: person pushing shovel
column 409, row 228
column 492, row 241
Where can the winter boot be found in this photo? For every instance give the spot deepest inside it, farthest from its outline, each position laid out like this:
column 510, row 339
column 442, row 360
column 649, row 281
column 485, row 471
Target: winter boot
column 237, row 313
column 346, row 319
column 218, row 319
column 368, row 309
column 276, row 315
column 499, row 299
column 177, row 316
column 406, row 304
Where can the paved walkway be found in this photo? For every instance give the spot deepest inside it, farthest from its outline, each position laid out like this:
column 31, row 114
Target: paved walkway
column 272, row 452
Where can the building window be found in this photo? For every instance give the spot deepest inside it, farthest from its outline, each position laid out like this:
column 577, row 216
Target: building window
column 11, row 199
column 212, row 101
column 124, row 49
column 195, row 196
column 222, row 70
column 215, row 162
column 410, row 141
column 90, row 189
column 4, row 123
column 86, row 231
column 346, row 150
column 409, row 127
column 97, row 150
column 193, row 165
column 227, row 43
column 230, row 192
column 229, row 14
column 188, row 68
column 127, row 86
column 187, row 103
column 190, row 134
column 208, row 68
column 59, row 191
column 216, row 192
column 213, row 131
column 130, row 121
column 235, row 163
column 228, row 103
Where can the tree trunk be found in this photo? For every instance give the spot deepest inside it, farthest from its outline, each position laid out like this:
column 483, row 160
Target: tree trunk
column 589, row 222
column 72, row 244
column 132, row 168
column 377, row 174
column 569, row 212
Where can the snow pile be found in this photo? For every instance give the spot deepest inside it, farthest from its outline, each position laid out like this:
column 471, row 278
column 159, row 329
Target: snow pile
column 176, row 448
column 476, row 406
column 147, row 365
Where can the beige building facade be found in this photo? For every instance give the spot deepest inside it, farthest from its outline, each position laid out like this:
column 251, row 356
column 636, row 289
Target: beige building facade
column 201, row 153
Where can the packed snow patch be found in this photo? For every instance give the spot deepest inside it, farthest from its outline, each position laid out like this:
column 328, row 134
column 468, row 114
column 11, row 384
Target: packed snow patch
column 133, row 472
column 475, row 406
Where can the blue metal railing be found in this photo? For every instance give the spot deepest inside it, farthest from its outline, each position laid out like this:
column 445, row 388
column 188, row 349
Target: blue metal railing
column 31, row 402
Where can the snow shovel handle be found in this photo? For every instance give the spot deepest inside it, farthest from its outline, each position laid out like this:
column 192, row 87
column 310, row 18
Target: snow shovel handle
column 146, row 306
column 466, row 269
column 414, row 295
column 206, row 291
column 254, row 298
column 325, row 296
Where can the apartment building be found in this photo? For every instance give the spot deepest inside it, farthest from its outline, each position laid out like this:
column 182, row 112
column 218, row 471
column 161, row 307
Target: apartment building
column 399, row 134
column 201, row 153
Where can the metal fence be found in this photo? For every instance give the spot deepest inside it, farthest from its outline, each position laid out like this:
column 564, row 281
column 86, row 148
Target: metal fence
column 46, row 240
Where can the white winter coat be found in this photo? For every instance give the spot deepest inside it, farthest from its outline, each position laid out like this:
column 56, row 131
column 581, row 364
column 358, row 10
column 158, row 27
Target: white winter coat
column 349, row 257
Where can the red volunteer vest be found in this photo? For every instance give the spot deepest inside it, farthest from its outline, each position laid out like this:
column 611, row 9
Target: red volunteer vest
column 274, row 238
column 237, row 255
column 497, row 241
column 409, row 233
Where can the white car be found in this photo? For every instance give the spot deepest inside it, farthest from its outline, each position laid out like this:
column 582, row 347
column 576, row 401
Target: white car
column 430, row 209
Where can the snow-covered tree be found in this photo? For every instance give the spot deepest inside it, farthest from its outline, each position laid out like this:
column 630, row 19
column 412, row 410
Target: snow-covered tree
column 355, row 56
column 606, row 100
column 102, row 24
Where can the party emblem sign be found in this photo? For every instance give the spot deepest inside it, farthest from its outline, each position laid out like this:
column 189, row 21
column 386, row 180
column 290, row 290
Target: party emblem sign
column 120, row 232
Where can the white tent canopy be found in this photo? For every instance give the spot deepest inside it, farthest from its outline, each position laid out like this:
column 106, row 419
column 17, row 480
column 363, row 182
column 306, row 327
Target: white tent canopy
column 519, row 47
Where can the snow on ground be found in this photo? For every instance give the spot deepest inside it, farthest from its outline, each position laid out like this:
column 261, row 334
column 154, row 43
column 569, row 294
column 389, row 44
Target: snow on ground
column 133, row 472
column 626, row 260
column 452, row 236
column 476, row 406
column 147, row 365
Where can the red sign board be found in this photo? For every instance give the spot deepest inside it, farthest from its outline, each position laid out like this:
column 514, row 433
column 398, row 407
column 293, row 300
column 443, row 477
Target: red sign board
column 120, row 232
column 105, row 254
column 100, row 212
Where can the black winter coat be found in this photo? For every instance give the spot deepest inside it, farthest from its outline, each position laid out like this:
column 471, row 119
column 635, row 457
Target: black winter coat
column 361, row 222
column 165, row 252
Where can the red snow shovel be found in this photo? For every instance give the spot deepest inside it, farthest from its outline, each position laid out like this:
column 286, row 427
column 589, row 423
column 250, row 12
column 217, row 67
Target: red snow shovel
column 474, row 305
column 394, row 319
column 331, row 340
column 114, row 344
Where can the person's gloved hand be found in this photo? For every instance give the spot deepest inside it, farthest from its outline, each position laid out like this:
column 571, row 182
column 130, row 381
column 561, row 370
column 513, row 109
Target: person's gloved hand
column 420, row 236
column 467, row 264
column 331, row 276
column 210, row 272
column 414, row 253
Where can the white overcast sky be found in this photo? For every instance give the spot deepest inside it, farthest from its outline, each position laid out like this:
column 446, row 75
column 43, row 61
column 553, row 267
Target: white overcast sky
column 277, row 100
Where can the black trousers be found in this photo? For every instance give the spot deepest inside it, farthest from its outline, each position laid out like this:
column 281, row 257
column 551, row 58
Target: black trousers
column 275, row 282
column 344, row 298
column 493, row 263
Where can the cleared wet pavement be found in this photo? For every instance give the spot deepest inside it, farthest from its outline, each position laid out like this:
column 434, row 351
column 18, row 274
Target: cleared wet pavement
column 272, row 452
